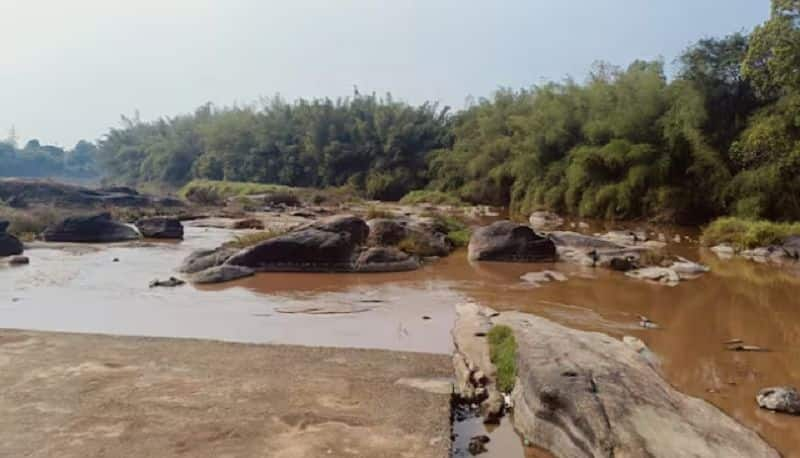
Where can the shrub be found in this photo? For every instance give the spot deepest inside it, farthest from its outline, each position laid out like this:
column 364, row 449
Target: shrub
column 743, row 233
column 503, row 352
column 425, row 196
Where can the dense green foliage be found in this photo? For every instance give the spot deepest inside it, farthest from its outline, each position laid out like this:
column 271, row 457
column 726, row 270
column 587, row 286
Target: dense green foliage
column 36, row 160
column 378, row 146
column 722, row 137
column 743, row 233
column 503, row 352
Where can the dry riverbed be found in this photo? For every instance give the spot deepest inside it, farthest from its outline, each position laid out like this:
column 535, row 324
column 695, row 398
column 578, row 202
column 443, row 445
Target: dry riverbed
column 84, row 395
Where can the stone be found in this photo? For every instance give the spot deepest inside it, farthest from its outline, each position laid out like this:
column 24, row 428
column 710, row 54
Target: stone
column 354, row 226
column 248, row 223
column 385, row 259
column 477, row 444
column 545, row 276
column 688, row 269
column 98, row 228
column 510, row 242
column 169, row 283
column 543, row 220
column 302, row 250
column 386, row 232
column 160, row 228
column 656, row 274
column 9, row 244
column 19, row 260
column 581, row 241
column 586, row 394
column 783, row 399
column 205, row 259
column 221, row 274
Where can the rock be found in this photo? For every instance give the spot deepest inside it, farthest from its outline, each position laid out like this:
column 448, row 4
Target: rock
column 791, row 245
column 205, row 259
column 586, row 394
column 543, row 220
column 646, row 323
column 724, row 251
column 169, row 283
column 302, row 250
column 508, row 241
column 248, row 223
column 354, row 226
column 688, row 269
column 545, row 276
column 385, row 259
column 221, row 274
column 625, row 238
column 477, row 444
column 581, row 241
column 742, row 347
column 9, row 245
column 386, row 232
column 784, row 399
column 19, row 260
column 656, row 274
column 160, row 228
column 99, row 228
column 622, row 264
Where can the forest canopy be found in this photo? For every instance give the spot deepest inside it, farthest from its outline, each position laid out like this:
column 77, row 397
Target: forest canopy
column 721, row 136
column 37, row 160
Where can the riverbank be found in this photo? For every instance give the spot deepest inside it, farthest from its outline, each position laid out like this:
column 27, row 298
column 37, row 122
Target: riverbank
column 82, row 395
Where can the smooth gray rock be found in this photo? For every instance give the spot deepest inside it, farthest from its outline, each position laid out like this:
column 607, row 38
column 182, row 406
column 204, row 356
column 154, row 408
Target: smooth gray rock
column 160, row 228
column 205, row 259
column 385, row 259
column 221, row 274
column 784, row 399
column 99, row 228
column 511, row 242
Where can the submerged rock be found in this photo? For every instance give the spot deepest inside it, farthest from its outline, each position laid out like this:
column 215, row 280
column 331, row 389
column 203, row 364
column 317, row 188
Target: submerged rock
column 784, row 399
column 586, row 394
column 508, row 241
column 656, row 274
column 171, row 282
column 221, row 274
column 9, row 245
column 545, row 276
column 99, row 228
column 160, row 228
column 19, row 260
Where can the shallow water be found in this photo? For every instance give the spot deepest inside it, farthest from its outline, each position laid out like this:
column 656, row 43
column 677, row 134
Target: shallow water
column 83, row 290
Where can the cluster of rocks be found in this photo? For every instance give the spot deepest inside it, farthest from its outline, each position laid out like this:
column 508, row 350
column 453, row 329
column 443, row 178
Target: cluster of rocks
column 586, row 394
column 335, row 244
column 21, row 193
column 787, row 251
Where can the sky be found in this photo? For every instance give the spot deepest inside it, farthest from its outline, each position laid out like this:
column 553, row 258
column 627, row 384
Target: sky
column 70, row 69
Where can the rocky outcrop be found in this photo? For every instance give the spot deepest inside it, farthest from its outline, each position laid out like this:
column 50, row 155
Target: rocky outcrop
column 355, row 227
column 221, row 274
column 99, row 228
column 160, row 228
column 307, row 249
column 30, row 191
column 423, row 233
column 385, row 259
column 205, row 259
column 9, row 245
column 784, row 399
column 512, row 242
column 586, row 394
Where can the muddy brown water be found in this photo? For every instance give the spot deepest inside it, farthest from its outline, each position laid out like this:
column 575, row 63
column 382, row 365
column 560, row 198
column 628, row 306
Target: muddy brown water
column 81, row 289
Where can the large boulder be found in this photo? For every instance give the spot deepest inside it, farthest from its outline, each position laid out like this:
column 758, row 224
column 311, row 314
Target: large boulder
column 355, row 227
column 387, row 232
column 586, row 394
column 99, row 228
column 160, row 228
column 508, row 241
column 385, row 259
column 221, row 274
column 302, row 250
column 9, row 245
column 205, row 259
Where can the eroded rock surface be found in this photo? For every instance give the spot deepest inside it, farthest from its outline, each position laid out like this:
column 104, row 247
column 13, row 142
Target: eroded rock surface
column 508, row 241
column 99, row 228
column 585, row 394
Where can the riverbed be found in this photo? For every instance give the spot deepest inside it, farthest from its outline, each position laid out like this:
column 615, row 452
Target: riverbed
column 104, row 289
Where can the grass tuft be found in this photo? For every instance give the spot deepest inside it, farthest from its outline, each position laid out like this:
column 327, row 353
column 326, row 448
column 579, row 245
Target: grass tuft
column 424, row 196
column 744, row 234
column 503, row 352
column 248, row 240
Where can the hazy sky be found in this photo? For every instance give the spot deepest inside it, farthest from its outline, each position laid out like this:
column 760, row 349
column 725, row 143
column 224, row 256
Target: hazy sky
column 69, row 69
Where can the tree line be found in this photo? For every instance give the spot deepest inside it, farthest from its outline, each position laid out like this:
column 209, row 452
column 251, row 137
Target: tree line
column 722, row 136
column 37, row 160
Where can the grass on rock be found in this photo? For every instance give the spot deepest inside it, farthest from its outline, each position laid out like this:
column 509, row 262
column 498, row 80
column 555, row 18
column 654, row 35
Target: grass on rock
column 503, row 352
column 248, row 240
column 744, row 234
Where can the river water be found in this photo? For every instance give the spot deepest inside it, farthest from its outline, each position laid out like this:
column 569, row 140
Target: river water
column 104, row 289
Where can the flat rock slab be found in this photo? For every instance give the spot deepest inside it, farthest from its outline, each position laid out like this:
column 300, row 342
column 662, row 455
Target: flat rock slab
column 80, row 395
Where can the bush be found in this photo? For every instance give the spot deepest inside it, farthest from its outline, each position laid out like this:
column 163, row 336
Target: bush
column 743, row 233
column 503, row 352
column 424, row 196
column 457, row 230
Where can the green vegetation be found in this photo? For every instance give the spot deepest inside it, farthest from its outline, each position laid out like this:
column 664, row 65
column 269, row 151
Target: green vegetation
column 744, row 234
column 456, row 229
column 375, row 212
column 28, row 223
column 424, row 196
column 37, row 160
column 248, row 240
column 503, row 352
column 227, row 189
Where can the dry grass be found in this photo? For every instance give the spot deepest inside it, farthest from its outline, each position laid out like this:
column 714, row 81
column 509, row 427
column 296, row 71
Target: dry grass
column 248, row 240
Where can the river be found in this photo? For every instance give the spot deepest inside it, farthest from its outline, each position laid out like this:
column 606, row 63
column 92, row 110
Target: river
column 104, row 289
